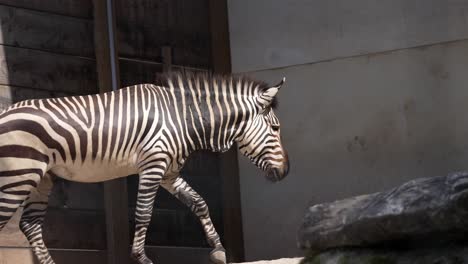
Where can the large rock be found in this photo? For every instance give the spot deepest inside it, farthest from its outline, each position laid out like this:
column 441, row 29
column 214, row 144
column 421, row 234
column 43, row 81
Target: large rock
column 449, row 254
column 276, row 261
column 421, row 211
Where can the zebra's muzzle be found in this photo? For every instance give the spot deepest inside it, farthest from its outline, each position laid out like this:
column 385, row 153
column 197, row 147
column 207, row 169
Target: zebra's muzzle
column 275, row 174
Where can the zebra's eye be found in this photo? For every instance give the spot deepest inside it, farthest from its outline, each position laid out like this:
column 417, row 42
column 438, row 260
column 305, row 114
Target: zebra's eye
column 275, row 128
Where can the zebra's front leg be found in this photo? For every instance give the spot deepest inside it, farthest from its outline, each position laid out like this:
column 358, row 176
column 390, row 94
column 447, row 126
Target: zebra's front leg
column 33, row 216
column 188, row 196
column 149, row 181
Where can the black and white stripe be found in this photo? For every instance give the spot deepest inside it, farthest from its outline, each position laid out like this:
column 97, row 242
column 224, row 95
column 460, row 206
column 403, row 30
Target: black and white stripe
column 149, row 129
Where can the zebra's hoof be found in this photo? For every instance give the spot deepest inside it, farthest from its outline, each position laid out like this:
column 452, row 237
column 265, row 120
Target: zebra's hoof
column 145, row 261
column 218, row 256
column 141, row 258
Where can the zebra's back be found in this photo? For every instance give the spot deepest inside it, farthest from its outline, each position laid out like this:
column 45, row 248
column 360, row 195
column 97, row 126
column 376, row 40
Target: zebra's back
column 82, row 138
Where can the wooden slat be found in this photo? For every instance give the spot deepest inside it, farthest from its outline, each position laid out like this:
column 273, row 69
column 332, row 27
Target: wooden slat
column 163, row 255
column 42, row 70
column 145, row 26
column 77, row 196
column 11, row 94
column 76, row 8
column 179, row 255
column 26, row 256
column 134, row 72
column 36, row 30
column 77, row 229
column 63, row 228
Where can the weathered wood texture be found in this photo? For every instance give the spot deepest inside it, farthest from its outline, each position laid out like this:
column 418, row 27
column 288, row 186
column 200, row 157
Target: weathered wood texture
column 60, row 256
column 11, row 94
column 144, row 28
column 75, row 8
column 164, row 255
column 76, row 196
column 63, row 228
column 36, row 30
column 146, row 25
column 42, row 70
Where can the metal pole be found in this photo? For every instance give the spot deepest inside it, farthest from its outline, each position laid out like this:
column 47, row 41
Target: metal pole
column 229, row 169
column 115, row 191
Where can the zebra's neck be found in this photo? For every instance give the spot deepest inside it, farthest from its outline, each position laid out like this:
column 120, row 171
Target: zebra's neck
column 210, row 114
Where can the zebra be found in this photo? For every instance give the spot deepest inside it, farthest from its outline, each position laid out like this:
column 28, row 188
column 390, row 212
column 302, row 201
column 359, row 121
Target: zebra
column 146, row 129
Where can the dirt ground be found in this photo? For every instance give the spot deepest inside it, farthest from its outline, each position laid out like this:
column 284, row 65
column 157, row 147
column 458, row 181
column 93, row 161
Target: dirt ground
column 278, row 261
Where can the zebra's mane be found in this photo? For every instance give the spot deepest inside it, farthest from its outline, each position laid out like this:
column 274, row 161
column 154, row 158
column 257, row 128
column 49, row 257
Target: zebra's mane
column 163, row 79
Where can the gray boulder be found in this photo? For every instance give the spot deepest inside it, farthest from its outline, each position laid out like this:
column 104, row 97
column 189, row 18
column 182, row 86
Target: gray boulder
column 422, row 211
column 454, row 254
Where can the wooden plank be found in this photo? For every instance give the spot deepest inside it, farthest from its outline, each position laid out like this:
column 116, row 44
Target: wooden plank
column 42, row 70
column 229, row 168
column 77, row 229
column 135, row 72
column 163, row 255
column 26, row 256
column 77, row 196
column 11, row 94
column 144, row 28
column 86, row 227
column 179, row 255
column 17, row 255
column 76, row 8
column 146, row 25
column 115, row 191
column 36, row 30
column 78, row 256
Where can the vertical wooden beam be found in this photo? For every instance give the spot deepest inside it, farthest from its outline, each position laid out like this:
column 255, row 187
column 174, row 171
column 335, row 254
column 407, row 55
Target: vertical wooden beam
column 229, row 168
column 115, row 192
column 166, row 52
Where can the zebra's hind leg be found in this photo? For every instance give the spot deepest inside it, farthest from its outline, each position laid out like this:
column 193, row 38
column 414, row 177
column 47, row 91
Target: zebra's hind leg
column 33, row 216
column 188, row 196
column 15, row 187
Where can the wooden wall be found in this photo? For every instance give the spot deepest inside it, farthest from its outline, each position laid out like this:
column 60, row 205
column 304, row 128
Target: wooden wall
column 48, row 45
column 47, row 50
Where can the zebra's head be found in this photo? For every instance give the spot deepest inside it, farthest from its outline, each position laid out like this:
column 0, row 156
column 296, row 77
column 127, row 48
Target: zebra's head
column 261, row 138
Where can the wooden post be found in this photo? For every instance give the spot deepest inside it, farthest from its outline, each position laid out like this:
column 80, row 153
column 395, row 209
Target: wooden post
column 166, row 52
column 115, row 191
column 229, row 168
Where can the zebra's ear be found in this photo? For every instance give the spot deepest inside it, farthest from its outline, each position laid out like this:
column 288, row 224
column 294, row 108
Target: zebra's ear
column 267, row 96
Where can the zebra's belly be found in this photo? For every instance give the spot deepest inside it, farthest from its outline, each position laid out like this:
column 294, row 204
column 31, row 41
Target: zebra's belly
column 94, row 172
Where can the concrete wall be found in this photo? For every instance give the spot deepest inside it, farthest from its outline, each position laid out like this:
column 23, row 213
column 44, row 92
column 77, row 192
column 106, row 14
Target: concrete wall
column 363, row 120
column 273, row 33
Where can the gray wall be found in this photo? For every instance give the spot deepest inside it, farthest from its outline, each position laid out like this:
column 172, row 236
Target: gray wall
column 363, row 112
column 272, row 33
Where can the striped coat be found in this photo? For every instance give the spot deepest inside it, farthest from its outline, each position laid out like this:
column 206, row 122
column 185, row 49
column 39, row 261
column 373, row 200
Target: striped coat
column 148, row 129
